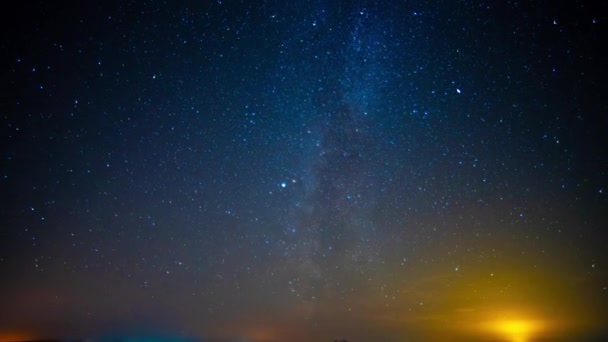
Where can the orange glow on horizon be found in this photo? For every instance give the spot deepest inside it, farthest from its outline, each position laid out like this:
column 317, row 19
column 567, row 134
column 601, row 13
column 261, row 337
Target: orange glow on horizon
column 6, row 336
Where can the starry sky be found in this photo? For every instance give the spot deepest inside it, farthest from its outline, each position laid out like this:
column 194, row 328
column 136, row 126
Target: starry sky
column 304, row 170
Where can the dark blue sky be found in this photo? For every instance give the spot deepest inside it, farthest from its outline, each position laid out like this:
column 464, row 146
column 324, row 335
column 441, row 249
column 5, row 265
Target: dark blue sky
column 373, row 170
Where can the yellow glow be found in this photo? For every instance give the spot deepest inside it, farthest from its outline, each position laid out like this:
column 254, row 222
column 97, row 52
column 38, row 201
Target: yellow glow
column 516, row 330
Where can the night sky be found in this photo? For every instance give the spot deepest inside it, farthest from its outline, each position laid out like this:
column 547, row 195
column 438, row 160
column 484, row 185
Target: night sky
column 304, row 170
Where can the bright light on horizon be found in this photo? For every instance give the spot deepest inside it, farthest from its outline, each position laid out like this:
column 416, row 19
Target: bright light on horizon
column 516, row 330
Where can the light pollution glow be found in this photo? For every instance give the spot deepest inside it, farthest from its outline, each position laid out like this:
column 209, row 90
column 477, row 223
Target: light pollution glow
column 518, row 300
column 516, row 330
column 14, row 336
column 515, row 300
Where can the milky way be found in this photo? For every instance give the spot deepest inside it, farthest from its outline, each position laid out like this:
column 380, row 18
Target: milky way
column 367, row 170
